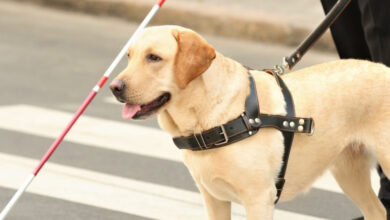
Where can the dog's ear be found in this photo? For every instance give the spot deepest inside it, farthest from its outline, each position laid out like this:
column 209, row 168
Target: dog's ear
column 193, row 57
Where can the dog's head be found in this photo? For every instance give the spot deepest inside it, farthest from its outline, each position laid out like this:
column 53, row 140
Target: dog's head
column 162, row 62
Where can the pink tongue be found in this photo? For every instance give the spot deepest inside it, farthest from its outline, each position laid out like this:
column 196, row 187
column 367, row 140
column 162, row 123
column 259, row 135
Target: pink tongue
column 129, row 111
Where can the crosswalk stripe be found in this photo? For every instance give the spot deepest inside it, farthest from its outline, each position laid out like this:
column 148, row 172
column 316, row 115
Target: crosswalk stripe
column 108, row 134
column 90, row 131
column 113, row 192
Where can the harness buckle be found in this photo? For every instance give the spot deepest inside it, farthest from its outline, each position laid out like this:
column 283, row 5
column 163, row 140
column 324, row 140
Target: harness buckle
column 204, row 146
column 224, row 135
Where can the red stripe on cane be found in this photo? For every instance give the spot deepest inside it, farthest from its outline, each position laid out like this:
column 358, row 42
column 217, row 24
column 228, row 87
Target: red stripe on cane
column 160, row 3
column 102, row 81
column 57, row 142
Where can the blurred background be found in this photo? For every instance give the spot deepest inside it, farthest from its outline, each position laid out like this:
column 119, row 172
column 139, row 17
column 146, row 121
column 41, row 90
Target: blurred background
column 52, row 52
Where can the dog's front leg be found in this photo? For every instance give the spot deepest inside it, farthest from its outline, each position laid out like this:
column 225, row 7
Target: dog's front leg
column 260, row 205
column 216, row 209
column 259, row 211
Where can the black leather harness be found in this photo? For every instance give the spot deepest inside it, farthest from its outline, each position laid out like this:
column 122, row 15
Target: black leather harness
column 249, row 123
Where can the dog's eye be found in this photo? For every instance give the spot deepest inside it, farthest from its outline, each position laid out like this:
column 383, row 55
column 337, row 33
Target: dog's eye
column 153, row 58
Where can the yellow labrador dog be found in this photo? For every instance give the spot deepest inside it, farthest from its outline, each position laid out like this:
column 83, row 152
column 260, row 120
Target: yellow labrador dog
column 175, row 74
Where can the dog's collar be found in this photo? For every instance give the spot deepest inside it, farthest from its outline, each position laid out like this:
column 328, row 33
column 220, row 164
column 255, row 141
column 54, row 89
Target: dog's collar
column 249, row 123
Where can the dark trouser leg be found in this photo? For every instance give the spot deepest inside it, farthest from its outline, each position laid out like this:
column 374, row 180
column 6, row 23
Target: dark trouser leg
column 384, row 191
column 347, row 32
column 376, row 25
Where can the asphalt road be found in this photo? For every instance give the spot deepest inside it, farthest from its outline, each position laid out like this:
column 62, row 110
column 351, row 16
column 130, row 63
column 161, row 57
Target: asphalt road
column 106, row 168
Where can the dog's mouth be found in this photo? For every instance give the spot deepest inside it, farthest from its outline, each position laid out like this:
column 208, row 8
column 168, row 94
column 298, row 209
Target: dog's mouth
column 137, row 111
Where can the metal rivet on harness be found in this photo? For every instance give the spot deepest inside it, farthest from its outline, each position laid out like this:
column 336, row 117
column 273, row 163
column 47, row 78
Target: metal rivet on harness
column 250, row 132
column 301, row 121
column 257, row 120
column 251, row 121
column 292, row 124
column 300, row 128
column 285, row 124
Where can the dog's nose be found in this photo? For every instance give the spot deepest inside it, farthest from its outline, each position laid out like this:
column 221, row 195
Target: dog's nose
column 117, row 87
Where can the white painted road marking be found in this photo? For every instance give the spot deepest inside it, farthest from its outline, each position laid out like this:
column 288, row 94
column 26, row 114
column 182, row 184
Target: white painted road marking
column 90, row 131
column 113, row 192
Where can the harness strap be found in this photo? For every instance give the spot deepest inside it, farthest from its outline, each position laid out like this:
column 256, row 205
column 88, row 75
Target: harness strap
column 239, row 128
column 220, row 136
column 288, row 135
column 252, row 107
column 289, row 124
